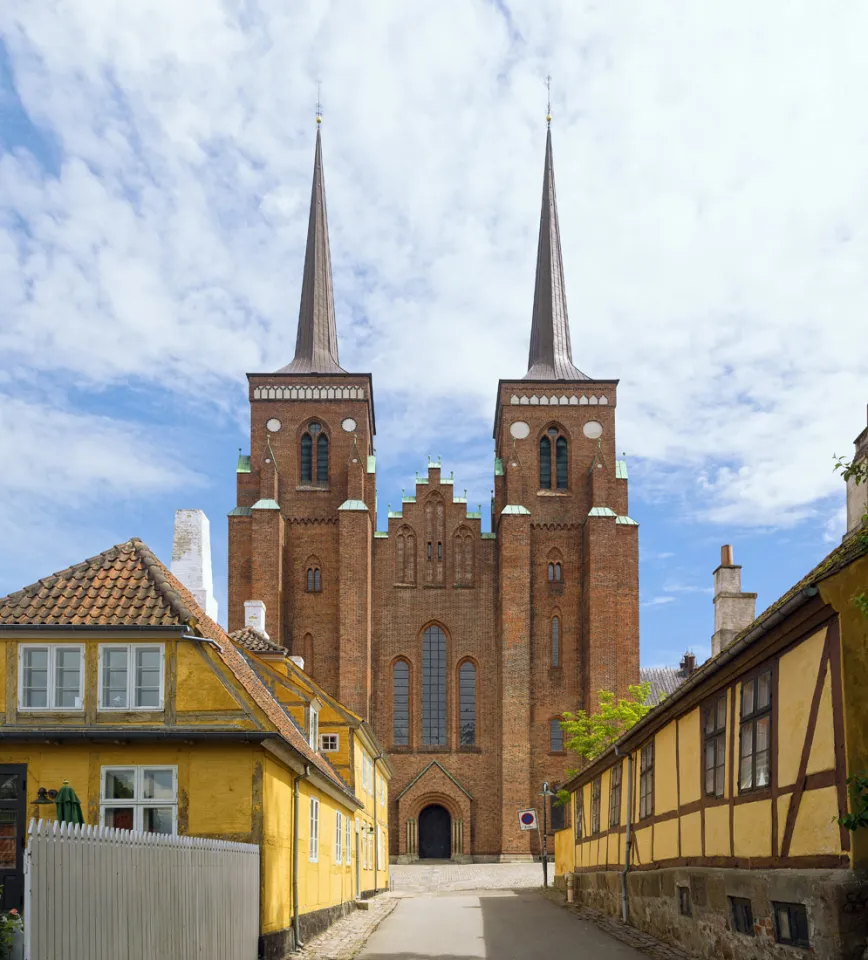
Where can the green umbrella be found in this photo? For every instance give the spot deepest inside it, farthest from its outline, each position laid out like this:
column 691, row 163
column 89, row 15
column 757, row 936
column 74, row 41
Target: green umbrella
column 68, row 805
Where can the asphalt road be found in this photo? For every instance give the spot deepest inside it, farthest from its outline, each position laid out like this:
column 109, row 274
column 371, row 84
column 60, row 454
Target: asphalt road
column 489, row 925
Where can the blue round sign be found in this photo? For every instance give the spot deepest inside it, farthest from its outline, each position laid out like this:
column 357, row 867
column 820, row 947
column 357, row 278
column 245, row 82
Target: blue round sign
column 527, row 818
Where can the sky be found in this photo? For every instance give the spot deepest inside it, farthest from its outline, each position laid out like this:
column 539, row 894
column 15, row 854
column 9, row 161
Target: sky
column 712, row 179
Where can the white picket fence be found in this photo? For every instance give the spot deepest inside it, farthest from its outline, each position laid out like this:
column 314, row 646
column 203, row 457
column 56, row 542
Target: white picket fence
column 96, row 893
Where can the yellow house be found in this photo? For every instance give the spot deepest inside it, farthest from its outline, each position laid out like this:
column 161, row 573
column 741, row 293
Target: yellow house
column 713, row 823
column 114, row 679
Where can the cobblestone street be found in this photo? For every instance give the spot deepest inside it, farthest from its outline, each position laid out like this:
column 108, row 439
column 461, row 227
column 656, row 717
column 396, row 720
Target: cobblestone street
column 453, row 877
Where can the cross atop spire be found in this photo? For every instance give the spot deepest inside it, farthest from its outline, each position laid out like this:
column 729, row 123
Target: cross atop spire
column 551, row 355
column 316, row 345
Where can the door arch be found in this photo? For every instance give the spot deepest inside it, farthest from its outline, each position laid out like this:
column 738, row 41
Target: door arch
column 435, row 833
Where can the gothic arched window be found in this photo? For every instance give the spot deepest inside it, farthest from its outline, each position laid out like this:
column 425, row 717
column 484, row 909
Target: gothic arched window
column 467, row 704
column 314, row 580
column 556, row 641
column 434, row 524
column 561, row 473
column 462, row 557
column 401, row 704
column 556, row 736
column 405, row 556
column 434, row 687
column 554, row 571
column 314, row 454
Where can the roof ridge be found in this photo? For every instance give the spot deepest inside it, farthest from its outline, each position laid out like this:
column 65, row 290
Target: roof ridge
column 160, row 576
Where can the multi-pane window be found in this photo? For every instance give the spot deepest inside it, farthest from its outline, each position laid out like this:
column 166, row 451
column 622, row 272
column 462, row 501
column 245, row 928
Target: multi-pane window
column 791, row 924
column 314, row 580
column 754, row 752
column 313, row 835
column 348, row 833
column 556, row 737
column 50, row 677
column 329, row 742
column 314, row 454
column 615, row 796
column 579, row 816
column 313, row 726
column 339, row 836
column 140, row 798
column 467, row 703
column 401, row 704
column 556, row 641
column 554, row 572
column 553, row 441
column 742, row 916
column 714, row 732
column 646, row 781
column 596, row 791
column 434, row 687
column 131, row 676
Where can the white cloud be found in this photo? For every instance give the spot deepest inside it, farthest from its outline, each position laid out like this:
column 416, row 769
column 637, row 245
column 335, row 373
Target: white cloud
column 658, row 601
column 710, row 167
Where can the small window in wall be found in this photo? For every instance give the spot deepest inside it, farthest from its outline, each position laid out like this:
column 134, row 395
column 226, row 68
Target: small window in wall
column 714, row 727
column 578, row 818
column 313, row 726
column 742, row 915
column 139, row 798
column 50, row 677
column 314, row 580
column 313, row 836
column 556, row 737
column 339, row 836
column 329, row 742
column 615, row 796
column 596, row 791
column 646, row 781
column 556, row 641
column 684, row 906
column 754, row 735
column 791, row 924
column 131, row 676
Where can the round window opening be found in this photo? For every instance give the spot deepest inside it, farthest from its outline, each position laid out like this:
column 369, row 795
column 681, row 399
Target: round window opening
column 519, row 429
column 592, row 429
column 272, row 425
column 314, row 429
column 349, row 424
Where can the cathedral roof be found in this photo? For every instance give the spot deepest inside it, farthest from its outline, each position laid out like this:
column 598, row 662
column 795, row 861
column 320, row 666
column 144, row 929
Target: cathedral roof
column 550, row 356
column 316, row 345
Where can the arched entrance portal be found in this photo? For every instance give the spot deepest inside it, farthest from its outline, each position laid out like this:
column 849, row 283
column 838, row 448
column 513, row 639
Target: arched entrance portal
column 435, row 833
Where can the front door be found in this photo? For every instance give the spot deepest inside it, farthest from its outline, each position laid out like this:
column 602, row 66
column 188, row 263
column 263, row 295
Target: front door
column 435, row 833
column 13, row 823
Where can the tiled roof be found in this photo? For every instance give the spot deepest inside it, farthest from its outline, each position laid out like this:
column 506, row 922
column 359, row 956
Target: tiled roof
column 254, row 641
column 663, row 680
column 128, row 586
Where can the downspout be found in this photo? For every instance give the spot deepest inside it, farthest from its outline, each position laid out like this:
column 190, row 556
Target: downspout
column 376, row 825
column 295, row 795
column 628, row 840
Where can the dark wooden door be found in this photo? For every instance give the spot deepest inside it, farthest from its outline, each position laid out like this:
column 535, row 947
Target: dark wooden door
column 13, row 823
column 435, row 833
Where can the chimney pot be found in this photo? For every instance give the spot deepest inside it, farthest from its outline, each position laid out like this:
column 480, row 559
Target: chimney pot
column 298, row 661
column 734, row 609
column 254, row 615
column 726, row 555
column 191, row 557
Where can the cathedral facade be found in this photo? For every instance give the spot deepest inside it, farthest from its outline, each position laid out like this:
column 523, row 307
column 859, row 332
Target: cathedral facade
column 460, row 647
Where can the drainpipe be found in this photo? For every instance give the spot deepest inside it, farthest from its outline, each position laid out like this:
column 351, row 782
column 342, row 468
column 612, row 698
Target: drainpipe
column 298, row 779
column 376, row 825
column 629, row 835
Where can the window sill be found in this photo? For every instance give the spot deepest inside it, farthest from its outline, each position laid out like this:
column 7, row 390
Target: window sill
column 553, row 493
column 462, row 586
column 314, row 488
column 470, row 748
column 432, row 748
column 402, row 586
column 557, row 753
column 435, row 586
column 130, row 711
column 42, row 711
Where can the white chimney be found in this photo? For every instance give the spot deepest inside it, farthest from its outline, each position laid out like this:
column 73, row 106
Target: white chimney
column 733, row 609
column 298, row 661
column 191, row 557
column 254, row 615
column 857, row 493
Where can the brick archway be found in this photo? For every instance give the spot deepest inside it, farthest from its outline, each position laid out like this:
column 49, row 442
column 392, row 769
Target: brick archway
column 434, row 786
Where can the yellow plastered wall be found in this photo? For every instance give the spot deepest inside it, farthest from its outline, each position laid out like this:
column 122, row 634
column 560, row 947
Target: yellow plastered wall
column 816, row 828
column 796, row 681
column 752, row 829
column 565, row 851
column 199, row 688
column 689, row 756
column 717, row 830
column 665, row 779
column 691, row 834
column 322, row 882
column 276, row 867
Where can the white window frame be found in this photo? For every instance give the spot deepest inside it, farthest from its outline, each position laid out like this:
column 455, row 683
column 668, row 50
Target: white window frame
column 382, row 792
column 51, row 692
column 380, row 845
column 348, row 836
column 132, row 649
column 313, row 837
column 339, row 836
column 322, row 742
column 138, row 803
column 313, row 726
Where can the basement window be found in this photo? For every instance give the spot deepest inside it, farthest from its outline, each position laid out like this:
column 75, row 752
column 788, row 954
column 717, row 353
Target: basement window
column 742, row 915
column 684, row 905
column 791, row 924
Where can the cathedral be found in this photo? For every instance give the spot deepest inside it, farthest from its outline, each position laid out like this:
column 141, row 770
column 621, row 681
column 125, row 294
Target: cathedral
column 461, row 648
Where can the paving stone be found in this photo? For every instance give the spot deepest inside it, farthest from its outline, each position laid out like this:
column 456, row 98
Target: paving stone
column 451, row 877
column 344, row 939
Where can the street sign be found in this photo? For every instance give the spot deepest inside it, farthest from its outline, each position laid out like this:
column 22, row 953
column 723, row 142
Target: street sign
column 527, row 819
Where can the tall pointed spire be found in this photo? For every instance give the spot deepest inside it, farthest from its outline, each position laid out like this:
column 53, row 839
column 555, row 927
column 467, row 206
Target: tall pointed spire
column 550, row 356
column 316, row 346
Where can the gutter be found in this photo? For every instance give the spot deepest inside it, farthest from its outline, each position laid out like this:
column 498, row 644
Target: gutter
column 628, row 841
column 92, row 627
column 190, row 636
column 113, row 735
column 295, row 796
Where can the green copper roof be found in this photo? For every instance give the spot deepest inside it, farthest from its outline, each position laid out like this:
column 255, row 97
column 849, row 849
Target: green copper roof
column 627, row 521
column 620, row 469
column 445, row 480
column 372, row 464
column 498, row 467
column 240, row 512
column 474, row 515
column 243, row 463
column 602, row 512
column 395, row 515
column 517, row 509
column 408, row 499
column 381, row 534
column 353, row 505
column 459, row 499
column 266, row 505
column 489, row 536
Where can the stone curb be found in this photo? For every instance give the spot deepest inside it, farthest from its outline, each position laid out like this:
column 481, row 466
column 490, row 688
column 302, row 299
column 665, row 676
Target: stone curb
column 345, row 938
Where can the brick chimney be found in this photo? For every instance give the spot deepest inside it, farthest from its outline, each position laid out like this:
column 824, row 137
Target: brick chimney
column 687, row 665
column 254, row 616
column 733, row 609
column 857, row 493
column 191, row 557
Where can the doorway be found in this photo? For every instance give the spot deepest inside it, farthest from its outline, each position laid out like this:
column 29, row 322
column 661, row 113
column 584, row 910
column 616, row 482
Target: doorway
column 13, row 822
column 435, row 833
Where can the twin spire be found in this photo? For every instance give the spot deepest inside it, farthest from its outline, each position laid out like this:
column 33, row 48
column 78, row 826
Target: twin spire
column 316, row 345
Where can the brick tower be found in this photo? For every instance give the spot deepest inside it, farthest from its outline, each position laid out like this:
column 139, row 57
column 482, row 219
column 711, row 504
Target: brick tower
column 461, row 647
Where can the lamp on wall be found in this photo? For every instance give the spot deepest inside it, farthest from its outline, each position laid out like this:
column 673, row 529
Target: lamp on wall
column 44, row 796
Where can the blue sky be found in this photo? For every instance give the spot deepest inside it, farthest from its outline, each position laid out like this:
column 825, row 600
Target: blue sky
column 711, row 164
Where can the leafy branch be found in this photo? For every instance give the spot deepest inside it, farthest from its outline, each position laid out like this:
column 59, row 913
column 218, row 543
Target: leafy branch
column 859, row 792
column 857, row 471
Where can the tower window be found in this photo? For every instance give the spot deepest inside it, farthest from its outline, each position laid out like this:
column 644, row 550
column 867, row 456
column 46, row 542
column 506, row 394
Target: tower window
column 559, row 470
column 545, row 464
column 401, row 704
column 554, row 571
column 439, row 551
column 556, row 641
column 314, row 455
column 314, row 580
column 556, row 737
column 467, row 705
column 434, row 687
column 429, row 549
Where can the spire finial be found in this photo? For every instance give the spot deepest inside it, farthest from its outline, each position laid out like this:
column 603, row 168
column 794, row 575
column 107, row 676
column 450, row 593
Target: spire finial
column 549, row 104
column 318, row 103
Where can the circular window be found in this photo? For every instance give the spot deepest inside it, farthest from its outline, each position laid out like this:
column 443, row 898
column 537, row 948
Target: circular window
column 348, row 425
column 272, row 425
column 592, row 429
column 314, row 429
column 519, row 429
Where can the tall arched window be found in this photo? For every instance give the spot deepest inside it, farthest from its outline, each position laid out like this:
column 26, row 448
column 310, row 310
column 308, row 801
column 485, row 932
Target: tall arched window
column 556, row 737
column 462, row 557
column 434, row 687
column 467, row 704
column 314, row 580
column 561, row 471
column 556, row 641
column 401, row 704
column 405, row 556
column 314, row 454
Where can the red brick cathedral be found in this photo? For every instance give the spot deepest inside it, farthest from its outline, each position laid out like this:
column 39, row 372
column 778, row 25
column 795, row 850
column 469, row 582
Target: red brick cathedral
column 460, row 647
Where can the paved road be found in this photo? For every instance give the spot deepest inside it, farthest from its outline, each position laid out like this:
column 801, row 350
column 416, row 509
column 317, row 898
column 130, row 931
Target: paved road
column 462, row 877
column 494, row 925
